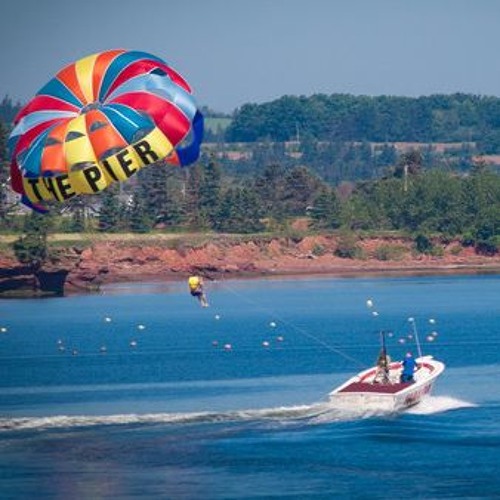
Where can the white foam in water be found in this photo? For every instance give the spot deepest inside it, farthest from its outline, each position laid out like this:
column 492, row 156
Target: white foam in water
column 331, row 413
column 428, row 406
column 438, row 404
column 66, row 421
column 319, row 413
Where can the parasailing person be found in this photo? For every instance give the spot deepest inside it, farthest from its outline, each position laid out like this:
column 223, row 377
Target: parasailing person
column 195, row 284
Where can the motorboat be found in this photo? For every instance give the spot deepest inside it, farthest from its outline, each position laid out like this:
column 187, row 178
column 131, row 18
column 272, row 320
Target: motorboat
column 372, row 389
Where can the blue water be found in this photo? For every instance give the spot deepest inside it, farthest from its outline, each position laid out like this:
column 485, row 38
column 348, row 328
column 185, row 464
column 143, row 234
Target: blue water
column 135, row 393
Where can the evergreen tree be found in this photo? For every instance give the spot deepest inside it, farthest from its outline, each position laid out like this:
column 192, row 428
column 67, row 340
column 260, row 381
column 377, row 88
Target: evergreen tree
column 139, row 220
column 163, row 191
column 326, row 210
column 110, row 210
column 203, row 194
column 8, row 110
column 151, row 186
column 31, row 248
column 300, row 189
column 270, row 188
column 174, row 210
column 209, row 192
column 195, row 215
column 5, row 204
column 239, row 212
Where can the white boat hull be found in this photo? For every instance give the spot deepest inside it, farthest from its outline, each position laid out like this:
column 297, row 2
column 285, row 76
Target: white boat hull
column 363, row 392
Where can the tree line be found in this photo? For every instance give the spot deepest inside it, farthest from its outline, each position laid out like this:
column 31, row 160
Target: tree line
column 343, row 117
column 409, row 200
column 456, row 117
column 397, row 192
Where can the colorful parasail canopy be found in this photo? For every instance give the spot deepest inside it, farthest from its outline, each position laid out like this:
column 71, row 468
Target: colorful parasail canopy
column 99, row 121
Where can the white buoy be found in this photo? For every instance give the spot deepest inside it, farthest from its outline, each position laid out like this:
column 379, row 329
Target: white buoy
column 430, row 338
column 133, row 343
column 103, row 349
column 280, row 338
column 272, row 324
column 141, row 327
column 411, row 320
column 265, row 343
column 375, row 313
column 215, row 343
column 434, row 334
column 402, row 341
column 432, row 321
column 410, row 336
column 107, row 319
column 60, row 342
column 3, row 329
column 228, row 347
column 369, row 303
column 217, row 316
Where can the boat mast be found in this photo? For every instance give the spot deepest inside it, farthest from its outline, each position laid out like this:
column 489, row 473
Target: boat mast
column 383, row 360
column 382, row 341
column 415, row 334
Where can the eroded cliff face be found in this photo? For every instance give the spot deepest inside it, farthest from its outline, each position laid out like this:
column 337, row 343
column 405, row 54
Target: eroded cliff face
column 17, row 280
column 74, row 270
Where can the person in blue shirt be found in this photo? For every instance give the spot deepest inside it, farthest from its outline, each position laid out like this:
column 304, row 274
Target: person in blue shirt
column 409, row 367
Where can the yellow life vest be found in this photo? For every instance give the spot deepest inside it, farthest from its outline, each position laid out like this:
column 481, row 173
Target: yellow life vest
column 194, row 282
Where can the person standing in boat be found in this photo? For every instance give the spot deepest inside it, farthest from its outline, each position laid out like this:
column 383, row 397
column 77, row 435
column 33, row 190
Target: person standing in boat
column 409, row 366
column 382, row 373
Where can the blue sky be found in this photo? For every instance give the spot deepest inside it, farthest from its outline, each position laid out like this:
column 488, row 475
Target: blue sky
column 238, row 51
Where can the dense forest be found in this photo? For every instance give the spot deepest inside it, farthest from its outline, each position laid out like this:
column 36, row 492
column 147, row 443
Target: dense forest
column 415, row 192
column 350, row 138
column 455, row 118
column 341, row 117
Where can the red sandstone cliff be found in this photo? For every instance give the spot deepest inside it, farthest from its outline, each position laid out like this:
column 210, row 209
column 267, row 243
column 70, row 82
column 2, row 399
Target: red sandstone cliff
column 113, row 261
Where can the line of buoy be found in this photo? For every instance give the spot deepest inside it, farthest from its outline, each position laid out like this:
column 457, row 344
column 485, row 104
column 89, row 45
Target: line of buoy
column 265, row 343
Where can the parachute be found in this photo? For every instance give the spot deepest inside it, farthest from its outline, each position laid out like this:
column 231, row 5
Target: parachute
column 99, row 121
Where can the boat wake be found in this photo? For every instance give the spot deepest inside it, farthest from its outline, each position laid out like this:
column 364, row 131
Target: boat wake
column 69, row 421
column 318, row 413
column 439, row 404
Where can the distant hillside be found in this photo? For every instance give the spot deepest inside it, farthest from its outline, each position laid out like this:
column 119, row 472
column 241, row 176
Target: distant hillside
column 383, row 119
column 455, row 118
